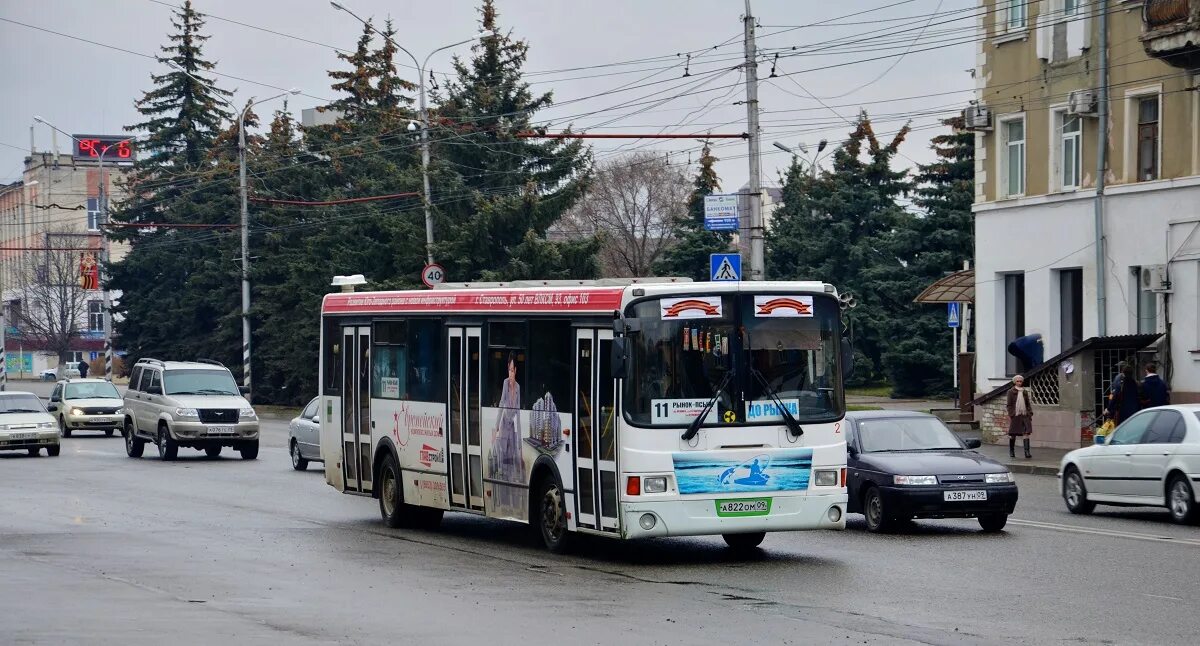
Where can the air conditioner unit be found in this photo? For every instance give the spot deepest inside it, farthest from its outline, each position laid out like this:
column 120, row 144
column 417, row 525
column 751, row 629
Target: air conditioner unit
column 977, row 117
column 1154, row 279
column 1082, row 102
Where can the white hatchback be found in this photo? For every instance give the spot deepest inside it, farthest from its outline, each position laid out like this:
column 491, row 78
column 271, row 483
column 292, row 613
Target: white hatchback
column 1151, row 459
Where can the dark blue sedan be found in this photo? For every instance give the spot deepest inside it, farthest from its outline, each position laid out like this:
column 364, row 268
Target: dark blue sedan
column 904, row 465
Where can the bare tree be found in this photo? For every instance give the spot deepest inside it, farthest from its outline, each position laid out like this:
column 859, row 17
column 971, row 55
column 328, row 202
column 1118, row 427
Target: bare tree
column 54, row 289
column 632, row 205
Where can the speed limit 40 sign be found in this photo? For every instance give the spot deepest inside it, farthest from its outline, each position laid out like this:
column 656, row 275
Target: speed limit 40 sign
column 433, row 275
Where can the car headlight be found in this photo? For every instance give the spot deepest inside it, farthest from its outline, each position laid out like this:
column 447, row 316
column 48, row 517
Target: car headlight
column 249, row 413
column 825, row 478
column 654, row 485
column 76, row 411
column 999, row 478
column 914, row 480
column 119, row 411
column 187, row 412
column 46, row 425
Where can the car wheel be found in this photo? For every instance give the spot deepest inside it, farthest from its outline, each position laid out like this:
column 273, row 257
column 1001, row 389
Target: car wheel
column 33, row 453
column 54, row 450
column 298, row 461
column 62, row 427
column 1181, row 501
column 134, row 445
column 108, row 432
column 552, row 516
column 249, row 450
column 877, row 518
column 993, row 522
column 168, row 450
column 1075, row 493
column 213, row 452
column 744, row 542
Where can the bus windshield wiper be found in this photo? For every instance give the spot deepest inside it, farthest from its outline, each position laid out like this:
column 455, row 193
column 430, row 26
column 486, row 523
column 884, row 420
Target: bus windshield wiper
column 694, row 427
column 788, row 420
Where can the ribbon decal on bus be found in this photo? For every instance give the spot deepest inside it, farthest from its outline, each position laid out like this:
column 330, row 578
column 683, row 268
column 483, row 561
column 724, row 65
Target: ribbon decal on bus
column 783, row 306
column 696, row 307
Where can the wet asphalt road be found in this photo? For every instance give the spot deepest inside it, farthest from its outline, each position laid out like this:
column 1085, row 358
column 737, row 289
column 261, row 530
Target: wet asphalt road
column 96, row 548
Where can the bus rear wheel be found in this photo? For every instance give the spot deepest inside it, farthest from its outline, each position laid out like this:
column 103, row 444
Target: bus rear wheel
column 742, row 542
column 552, row 516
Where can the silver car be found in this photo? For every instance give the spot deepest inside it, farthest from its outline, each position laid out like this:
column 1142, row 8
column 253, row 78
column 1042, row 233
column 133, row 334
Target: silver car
column 304, row 436
column 25, row 425
column 193, row 404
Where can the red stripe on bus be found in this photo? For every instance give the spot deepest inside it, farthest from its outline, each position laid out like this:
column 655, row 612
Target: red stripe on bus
column 492, row 300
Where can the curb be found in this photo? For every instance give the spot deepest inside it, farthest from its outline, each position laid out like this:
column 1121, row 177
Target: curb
column 1032, row 469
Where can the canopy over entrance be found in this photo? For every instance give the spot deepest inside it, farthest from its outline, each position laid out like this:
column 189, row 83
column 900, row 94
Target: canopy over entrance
column 958, row 287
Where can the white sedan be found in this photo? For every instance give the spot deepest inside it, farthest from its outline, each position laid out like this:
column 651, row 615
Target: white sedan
column 1151, row 459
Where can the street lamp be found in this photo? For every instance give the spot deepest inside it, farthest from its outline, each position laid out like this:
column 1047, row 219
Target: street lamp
column 424, row 114
column 101, row 220
column 245, row 210
column 804, row 150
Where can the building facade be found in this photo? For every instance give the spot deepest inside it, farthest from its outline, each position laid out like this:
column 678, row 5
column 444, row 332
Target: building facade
column 55, row 206
column 1036, row 116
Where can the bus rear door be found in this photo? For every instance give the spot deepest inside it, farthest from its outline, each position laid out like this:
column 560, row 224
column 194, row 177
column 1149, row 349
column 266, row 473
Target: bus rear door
column 596, row 433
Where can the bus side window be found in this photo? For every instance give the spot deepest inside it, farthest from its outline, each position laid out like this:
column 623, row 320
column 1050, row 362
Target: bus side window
column 425, row 382
column 390, row 360
column 332, row 357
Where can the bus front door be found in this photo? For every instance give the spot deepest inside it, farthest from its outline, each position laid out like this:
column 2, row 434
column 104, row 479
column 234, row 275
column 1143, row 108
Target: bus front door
column 464, row 363
column 356, row 408
column 596, row 432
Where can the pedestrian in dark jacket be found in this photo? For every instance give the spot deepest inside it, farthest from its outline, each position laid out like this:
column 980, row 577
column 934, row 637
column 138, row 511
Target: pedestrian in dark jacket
column 1154, row 389
column 1127, row 398
column 83, row 369
column 1020, row 416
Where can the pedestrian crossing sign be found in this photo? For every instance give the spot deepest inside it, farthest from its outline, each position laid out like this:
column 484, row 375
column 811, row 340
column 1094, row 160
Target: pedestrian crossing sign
column 725, row 267
column 953, row 318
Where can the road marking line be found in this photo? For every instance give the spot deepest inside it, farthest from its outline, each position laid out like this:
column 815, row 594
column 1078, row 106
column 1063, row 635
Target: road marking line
column 1160, row 596
column 1078, row 529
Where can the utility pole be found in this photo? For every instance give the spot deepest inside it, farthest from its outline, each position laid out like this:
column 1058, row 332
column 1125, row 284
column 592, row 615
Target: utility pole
column 757, row 259
column 245, row 248
column 1101, row 169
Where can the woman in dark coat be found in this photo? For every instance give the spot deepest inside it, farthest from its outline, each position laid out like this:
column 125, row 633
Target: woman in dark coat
column 1127, row 398
column 1020, row 416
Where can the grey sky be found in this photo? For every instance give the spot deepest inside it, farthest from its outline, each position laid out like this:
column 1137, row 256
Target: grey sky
column 86, row 88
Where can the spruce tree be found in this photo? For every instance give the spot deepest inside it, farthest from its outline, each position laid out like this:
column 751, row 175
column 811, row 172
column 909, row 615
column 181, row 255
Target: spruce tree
column 937, row 242
column 839, row 228
column 179, row 290
column 689, row 257
column 498, row 194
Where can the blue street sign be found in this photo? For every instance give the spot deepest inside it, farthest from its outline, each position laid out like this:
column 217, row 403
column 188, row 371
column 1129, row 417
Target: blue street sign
column 725, row 266
column 721, row 213
column 94, row 355
column 952, row 316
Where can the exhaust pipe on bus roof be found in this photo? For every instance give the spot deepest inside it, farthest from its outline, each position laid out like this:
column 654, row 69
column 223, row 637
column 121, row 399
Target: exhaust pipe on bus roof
column 348, row 283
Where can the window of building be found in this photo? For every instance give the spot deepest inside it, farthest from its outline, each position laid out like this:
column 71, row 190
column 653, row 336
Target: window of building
column 1070, row 151
column 1014, row 317
column 93, row 214
column 1071, row 7
column 1013, row 156
column 95, row 315
column 1014, row 14
column 1070, row 302
column 1147, row 138
column 1146, row 303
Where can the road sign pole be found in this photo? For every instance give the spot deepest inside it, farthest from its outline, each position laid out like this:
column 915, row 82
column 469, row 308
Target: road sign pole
column 954, row 354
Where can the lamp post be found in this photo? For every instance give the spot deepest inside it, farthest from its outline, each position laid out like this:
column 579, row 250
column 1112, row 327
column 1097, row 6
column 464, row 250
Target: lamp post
column 101, row 220
column 245, row 213
column 423, row 115
column 812, row 166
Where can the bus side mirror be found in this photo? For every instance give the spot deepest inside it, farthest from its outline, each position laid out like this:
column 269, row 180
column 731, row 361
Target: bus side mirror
column 619, row 358
column 847, row 357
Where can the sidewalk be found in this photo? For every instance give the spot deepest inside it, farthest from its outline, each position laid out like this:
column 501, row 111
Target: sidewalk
column 887, row 403
column 1045, row 461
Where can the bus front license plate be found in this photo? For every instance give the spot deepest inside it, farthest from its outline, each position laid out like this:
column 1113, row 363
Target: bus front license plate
column 744, row 507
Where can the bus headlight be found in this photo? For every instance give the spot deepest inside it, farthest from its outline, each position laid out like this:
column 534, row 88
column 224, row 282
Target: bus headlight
column 654, row 485
column 826, row 478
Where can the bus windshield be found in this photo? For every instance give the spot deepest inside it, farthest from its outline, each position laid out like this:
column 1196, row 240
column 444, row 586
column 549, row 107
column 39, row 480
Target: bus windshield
column 781, row 348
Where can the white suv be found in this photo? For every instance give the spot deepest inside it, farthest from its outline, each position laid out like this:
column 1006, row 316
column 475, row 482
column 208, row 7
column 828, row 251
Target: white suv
column 194, row 404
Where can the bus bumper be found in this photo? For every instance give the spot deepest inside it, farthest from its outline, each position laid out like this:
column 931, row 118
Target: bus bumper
column 698, row 516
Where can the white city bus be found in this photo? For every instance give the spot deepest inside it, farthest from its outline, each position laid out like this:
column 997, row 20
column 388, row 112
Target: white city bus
column 627, row 410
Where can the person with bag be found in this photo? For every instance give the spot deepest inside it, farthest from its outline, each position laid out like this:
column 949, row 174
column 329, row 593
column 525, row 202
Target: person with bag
column 1020, row 416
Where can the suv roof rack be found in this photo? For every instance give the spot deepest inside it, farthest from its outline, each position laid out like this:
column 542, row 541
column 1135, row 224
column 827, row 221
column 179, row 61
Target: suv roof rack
column 212, row 362
column 150, row 360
